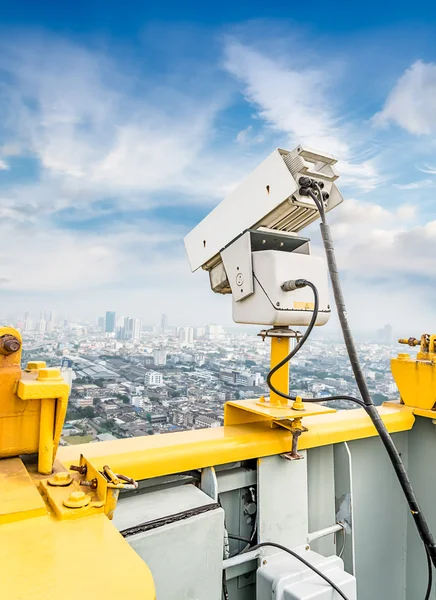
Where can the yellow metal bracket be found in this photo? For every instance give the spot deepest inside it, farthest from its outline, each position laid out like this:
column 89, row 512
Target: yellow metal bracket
column 33, row 404
column 416, row 377
column 85, row 491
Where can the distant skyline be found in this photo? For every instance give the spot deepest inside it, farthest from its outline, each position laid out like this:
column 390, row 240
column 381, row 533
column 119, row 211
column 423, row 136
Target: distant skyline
column 121, row 129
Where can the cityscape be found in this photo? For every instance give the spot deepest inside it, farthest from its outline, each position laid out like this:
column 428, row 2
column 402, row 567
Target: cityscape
column 130, row 379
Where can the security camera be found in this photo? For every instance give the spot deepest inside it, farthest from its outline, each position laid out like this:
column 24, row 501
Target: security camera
column 249, row 242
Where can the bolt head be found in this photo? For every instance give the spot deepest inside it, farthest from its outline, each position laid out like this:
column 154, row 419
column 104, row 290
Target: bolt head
column 61, row 479
column 77, row 495
column 77, row 499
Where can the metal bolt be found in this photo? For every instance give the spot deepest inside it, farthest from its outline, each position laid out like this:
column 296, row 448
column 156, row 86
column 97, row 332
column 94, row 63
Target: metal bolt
column 264, row 562
column 307, row 547
column 92, row 483
column 9, row 344
column 79, row 468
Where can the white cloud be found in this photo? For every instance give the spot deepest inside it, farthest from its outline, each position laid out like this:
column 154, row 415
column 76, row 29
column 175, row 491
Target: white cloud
column 298, row 102
column 100, row 128
column 427, row 169
column 415, row 185
column 411, row 103
column 3, row 165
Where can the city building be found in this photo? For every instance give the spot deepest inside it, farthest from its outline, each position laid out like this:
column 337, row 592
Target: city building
column 160, row 357
column 136, row 329
column 186, row 336
column 205, row 421
column 163, row 324
column 214, row 332
column 137, row 401
column 385, row 335
column 153, row 378
column 85, row 401
column 110, row 322
column 100, row 323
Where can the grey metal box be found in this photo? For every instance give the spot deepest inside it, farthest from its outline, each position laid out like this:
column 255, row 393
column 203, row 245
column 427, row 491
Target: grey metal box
column 185, row 552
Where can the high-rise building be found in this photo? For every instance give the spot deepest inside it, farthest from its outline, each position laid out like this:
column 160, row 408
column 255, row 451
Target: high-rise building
column 136, row 329
column 48, row 316
column 160, row 357
column 186, row 336
column 385, row 335
column 163, row 324
column 42, row 326
column 199, row 333
column 110, row 322
column 100, row 323
column 214, row 332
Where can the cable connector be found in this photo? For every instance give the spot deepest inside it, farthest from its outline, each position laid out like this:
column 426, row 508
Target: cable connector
column 293, row 284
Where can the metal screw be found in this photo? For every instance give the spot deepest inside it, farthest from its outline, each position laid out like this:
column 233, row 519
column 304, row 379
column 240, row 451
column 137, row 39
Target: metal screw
column 79, row 468
column 307, row 547
column 92, row 484
column 277, row 303
column 264, row 562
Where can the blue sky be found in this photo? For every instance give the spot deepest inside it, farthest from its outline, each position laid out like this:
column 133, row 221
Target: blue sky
column 122, row 125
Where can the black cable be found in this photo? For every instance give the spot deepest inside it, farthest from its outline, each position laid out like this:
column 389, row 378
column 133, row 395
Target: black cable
column 367, row 403
column 299, row 284
column 304, row 561
column 394, row 455
column 225, row 588
column 430, row 577
column 232, row 536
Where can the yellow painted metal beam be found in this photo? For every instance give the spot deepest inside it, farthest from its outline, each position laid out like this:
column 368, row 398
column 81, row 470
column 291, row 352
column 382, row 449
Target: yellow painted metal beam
column 19, row 498
column 153, row 456
column 46, row 559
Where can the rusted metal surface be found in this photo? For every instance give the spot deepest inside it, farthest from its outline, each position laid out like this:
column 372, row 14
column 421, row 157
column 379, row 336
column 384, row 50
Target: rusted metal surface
column 79, row 468
column 9, row 344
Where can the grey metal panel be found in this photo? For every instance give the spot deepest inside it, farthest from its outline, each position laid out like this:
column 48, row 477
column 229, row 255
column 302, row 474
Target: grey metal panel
column 379, row 520
column 321, row 495
column 235, row 479
column 422, row 471
column 185, row 557
column 282, row 500
column 154, row 505
column 343, row 499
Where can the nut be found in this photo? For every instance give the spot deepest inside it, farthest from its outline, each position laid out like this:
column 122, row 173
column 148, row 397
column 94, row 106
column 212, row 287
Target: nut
column 9, row 344
column 77, row 500
column 61, row 479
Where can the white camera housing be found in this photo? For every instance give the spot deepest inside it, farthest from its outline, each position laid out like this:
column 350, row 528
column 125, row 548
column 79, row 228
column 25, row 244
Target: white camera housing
column 268, row 197
column 248, row 243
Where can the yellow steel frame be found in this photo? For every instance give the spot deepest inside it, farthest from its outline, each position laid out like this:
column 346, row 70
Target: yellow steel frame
column 39, row 515
column 153, row 456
